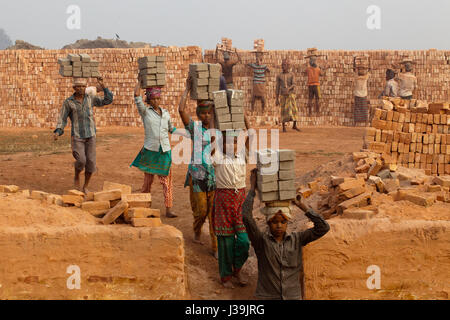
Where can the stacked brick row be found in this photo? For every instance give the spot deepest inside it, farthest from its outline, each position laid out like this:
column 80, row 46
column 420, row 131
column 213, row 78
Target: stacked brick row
column 413, row 137
column 32, row 91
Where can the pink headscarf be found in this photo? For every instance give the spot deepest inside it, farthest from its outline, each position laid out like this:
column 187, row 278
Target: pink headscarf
column 153, row 92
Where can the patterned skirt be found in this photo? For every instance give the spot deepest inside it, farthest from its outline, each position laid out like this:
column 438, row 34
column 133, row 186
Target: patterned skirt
column 289, row 110
column 361, row 110
column 153, row 162
column 227, row 212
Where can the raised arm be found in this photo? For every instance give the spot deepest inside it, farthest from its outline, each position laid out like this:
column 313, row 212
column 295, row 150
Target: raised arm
column 138, row 100
column 184, row 114
column 321, row 227
column 108, row 95
column 238, row 56
column 277, row 90
column 62, row 120
column 253, row 231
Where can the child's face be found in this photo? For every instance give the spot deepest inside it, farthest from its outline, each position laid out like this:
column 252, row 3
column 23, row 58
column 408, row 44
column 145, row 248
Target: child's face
column 205, row 116
column 278, row 225
column 230, row 145
column 362, row 71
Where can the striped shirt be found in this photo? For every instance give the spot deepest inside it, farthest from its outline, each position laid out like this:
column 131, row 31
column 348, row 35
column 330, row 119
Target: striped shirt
column 81, row 114
column 259, row 73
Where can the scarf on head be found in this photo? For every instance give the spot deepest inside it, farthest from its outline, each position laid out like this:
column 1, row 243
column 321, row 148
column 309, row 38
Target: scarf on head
column 153, row 92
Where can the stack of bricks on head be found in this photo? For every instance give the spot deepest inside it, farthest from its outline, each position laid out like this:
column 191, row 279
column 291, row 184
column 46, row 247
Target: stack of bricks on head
column 226, row 44
column 152, row 71
column 276, row 177
column 412, row 133
column 78, row 66
column 229, row 109
column 205, row 79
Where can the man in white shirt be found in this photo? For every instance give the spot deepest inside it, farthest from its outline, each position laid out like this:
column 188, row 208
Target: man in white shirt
column 407, row 81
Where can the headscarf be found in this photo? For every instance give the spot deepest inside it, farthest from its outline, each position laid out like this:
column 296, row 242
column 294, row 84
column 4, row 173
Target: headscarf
column 154, row 92
column 203, row 105
column 270, row 212
column 79, row 82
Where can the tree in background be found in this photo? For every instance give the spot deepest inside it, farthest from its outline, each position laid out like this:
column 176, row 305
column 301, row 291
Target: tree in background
column 5, row 40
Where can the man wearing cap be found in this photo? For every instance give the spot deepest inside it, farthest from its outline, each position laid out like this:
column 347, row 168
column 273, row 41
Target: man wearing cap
column 279, row 253
column 79, row 108
column 407, row 81
column 155, row 157
column 227, row 66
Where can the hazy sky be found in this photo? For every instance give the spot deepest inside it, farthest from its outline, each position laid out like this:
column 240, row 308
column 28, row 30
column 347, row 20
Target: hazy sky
column 283, row 24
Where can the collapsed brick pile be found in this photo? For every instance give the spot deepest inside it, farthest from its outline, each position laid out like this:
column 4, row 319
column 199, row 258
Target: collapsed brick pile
column 114, row 201
column 412, row 133
column 352, row 194
column 32, row 91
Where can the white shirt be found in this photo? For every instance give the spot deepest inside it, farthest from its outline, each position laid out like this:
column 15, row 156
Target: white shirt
column 230, row 172
column 157, row 127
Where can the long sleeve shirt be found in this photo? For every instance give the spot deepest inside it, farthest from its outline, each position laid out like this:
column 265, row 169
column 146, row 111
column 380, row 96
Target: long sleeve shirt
column 279, row 264
column 81, row 114
column 157, row 127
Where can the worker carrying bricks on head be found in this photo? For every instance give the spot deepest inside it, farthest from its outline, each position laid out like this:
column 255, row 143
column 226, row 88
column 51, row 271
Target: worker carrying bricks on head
column 279, row 253
column 407, row 81
column 285, row 89
column 362, row 104
column 313, row 71
column 227, row 65
column 200, row 176
column 259, row 80
column 79, row 108
column 155, row 157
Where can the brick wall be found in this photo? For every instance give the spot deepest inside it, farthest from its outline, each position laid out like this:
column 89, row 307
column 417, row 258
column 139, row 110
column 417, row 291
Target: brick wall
column 32, row 91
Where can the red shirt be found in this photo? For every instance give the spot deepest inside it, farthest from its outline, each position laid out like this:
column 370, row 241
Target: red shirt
column 313, row 75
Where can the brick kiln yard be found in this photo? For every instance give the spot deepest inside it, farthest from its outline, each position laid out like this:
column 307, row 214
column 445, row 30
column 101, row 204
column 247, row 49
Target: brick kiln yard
column 409, row 242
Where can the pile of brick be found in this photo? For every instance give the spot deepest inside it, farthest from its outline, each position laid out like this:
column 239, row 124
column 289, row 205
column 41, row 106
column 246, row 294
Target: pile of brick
column 226, row 45
column 205, row 79
column 229, row 111
column 372, row 174
column 78, row 66
column 415, row 134
column 362, row 61
column 258, row 45
column 113, row 201
column 152, row 71
column 276, row 175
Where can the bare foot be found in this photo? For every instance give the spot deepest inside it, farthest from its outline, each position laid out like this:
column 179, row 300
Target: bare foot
column 228, row 285
column 241, row 279
column 215, row 254
column 76, row 183
column 295, row 128
column 171, row 215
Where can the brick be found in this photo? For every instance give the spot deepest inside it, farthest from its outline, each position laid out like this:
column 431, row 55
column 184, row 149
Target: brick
column 314, row 186
column 115, row 212
column 267, row 177
column 359, row 201
column 353, row 192
column 76, row 193
column 287, row 165
column 286, row 155
column 335, row 181
column 286, row 174
column 138, row 200
column 434, row 188
column 357, row 214
column 424, row 200
column 375, row 168
column 286, row 185
column 108, row 195
column 96, row 207
column 38, row 195
column 305, row 192
column 146, row 222
column 73, row 200
column 443, row 181
column 391, row 185
column 268, row 186
column 350, row 184
column 268, row 196
column 287, row 194
column 108, row 186
column 9, row 188
column 141, row 213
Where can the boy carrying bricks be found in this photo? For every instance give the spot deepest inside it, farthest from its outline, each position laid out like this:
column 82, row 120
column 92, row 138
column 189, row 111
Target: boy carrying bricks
column 79, row 108
column 155, row 157
column 259, row 80
column 227, row 66
column 361, row 106
column 279, row 253
column 200, row 176
column 313, row 72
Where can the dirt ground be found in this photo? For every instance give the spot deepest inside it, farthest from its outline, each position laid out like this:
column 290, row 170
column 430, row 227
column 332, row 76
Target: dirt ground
column 38, row 163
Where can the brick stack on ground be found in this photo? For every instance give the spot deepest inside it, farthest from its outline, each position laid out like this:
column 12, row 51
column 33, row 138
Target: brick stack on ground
column 412, row 133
